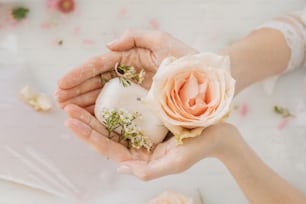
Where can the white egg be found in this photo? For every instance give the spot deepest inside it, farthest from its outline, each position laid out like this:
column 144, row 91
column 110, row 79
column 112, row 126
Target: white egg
column 129, row 98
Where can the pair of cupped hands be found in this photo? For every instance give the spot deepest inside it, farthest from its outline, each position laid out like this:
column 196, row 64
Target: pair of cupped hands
column 79, row 89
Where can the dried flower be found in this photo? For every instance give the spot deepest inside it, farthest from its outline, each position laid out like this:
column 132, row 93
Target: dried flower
column 127, row 73
column 284, row 112
column 20, row 13
column 65, row 6
column 38, row 101
column 124, row 82
column 60, row 42
column 123, row 122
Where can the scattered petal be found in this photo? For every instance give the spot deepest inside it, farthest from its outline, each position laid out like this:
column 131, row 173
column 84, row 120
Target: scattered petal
column 88, row 42
column 76, row 30
column 243, row 111
column 52, row 4
column 154, row 23
column 122, row 13
column 283, row 124
column 45, row 26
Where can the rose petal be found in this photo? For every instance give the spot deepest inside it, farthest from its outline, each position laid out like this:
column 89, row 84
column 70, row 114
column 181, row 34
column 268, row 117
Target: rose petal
column 192, row 92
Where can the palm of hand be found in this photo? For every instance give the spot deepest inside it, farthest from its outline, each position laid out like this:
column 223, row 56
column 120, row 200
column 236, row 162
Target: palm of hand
column 85, row 90
column 81, row 87
column 166, row 158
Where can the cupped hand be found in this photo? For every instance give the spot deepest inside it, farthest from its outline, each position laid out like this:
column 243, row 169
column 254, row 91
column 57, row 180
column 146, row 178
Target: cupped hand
column 142, row 49
column 165, row 159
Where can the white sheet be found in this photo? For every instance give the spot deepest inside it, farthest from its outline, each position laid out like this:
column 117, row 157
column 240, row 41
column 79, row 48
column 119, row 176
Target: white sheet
column 37, row 150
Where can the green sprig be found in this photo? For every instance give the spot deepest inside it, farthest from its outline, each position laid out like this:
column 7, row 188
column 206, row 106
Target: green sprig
column 125, row 82
column 113, row 119
column 20, row 13
column 128, row 73
column 284, row 112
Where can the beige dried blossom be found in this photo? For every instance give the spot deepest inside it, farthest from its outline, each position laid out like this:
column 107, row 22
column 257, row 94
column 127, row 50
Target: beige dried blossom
column 38, row 101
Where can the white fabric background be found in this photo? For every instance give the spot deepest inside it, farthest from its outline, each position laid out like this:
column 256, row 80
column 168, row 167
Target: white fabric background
column 29, row 54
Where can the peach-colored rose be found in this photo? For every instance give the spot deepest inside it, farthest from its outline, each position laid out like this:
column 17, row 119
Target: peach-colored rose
column 171, row 198
column 192, row 93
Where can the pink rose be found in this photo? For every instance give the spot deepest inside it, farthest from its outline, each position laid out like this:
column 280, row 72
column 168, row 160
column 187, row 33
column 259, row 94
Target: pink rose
column 192, row 93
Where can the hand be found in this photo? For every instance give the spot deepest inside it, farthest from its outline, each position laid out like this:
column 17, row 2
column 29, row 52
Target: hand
column 170, row 158
column 166, row 158
column 140, row 48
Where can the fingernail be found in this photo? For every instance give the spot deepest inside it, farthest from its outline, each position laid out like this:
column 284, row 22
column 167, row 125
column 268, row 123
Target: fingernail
column 124, row 169
column 112, row 42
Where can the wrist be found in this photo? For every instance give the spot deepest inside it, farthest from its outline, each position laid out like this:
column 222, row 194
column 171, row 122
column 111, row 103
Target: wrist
column 228, row 143
column 260, row 54
column 238, row 71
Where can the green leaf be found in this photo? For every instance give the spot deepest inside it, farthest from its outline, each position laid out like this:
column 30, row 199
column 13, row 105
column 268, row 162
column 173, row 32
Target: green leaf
column 20, row 13
column 284, row 112
column 124, row 82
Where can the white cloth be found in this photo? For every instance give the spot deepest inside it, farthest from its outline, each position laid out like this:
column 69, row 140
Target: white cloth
column 293, row 27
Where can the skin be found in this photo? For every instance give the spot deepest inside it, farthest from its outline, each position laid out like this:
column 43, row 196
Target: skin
column 82, row 85
column 261, row 54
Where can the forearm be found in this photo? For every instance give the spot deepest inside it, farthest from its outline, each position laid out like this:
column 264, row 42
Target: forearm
column 260, row 184
column 261, row 54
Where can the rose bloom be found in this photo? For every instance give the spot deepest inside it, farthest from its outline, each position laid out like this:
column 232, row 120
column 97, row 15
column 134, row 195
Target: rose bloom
column 192, row 92
column 171, row 198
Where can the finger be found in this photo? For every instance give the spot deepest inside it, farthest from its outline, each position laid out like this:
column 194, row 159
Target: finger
column 136, row 38
column 89, row 85
column 82, row 115
column 91, row 68
column 91, row 109
column 100, row 143
column 84, row 100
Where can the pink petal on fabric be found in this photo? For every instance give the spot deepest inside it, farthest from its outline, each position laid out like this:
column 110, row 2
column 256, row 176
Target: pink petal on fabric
column 154, row 23
column 122, row 13
column 45, row 26
column 52, row 4
column 88, row 42
column 283, row 124
column 243, row 111
column 76, row 30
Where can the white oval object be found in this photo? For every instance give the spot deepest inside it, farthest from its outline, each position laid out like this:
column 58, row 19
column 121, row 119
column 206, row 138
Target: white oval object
column 115, row 95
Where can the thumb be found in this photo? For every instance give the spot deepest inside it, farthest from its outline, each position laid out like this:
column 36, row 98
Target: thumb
column 135, row 38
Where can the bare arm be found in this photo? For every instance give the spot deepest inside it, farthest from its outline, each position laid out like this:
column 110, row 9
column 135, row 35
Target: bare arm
column 275, row 47
column 261, row 54
column 260, row 184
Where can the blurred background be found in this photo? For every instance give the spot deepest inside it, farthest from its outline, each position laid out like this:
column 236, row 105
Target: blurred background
column 41, row 41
